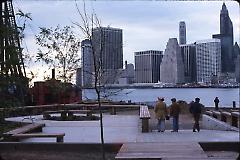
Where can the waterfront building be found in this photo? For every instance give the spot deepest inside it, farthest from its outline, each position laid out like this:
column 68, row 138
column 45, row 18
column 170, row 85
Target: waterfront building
column 188, row 52
column 126, row 75
column 208, row 59
column 129, row 72
column 147, row 66
column 87, row 63
column 107, row 44
column 226, row 37
column 79, row 77
column 172, row 67
column 237, row 68
column 182, row 32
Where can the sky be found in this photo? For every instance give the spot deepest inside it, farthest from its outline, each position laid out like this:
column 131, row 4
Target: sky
column 146, row 25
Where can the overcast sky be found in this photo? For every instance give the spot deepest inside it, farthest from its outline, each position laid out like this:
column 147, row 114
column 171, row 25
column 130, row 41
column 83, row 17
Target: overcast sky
column 147, row 25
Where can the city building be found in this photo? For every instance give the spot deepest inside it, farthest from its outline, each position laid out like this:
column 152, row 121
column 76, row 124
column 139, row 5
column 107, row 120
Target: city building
column 79, row 77
column 147, row 66
column 130, row 72
column 226, row 37
column 208, row 59
column 182, row 33
column 188, row 52
column 107, row 44
column 172, row 67
column 127, row 76
column 87, row 63
column 236, row 51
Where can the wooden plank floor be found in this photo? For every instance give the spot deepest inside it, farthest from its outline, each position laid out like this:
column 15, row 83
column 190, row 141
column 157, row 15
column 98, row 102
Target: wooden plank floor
column 166, row 151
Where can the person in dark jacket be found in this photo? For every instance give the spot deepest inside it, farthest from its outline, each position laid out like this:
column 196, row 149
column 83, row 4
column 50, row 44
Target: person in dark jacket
column 216, row 101
column 196, row 109
column 174, row 112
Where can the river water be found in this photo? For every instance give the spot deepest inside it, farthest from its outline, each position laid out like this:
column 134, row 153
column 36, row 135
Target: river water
column 207, row 95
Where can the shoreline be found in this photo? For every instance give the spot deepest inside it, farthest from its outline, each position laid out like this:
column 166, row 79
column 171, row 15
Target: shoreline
column 165, row 87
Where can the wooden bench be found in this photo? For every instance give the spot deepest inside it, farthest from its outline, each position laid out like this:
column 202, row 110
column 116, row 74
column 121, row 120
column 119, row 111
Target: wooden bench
column 235, row 119
column 26, row 132
column 59, row 136
column 144, row 116
column 217, row 115
column 25, row 129
column 209, row 113
column 47, row 114
column 226, row 117
column 87, row 112
column 65, row 113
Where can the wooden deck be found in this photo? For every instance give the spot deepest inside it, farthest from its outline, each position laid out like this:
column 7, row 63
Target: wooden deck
column 174, row 151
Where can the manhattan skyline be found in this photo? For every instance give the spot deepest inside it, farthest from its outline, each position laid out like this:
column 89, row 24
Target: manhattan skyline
column 146, row 25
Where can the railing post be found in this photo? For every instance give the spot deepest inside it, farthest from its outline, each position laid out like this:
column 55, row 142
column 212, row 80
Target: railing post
column 234, row 104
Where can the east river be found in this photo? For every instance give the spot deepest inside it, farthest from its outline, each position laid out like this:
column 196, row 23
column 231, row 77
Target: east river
column 207, row 95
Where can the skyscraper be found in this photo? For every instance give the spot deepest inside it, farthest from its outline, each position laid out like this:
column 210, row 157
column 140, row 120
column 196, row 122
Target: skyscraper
column 226, row 37
column 108, row 42
column 208, row 59
column 107, row 46
column 147, row 66
column 79, row 77
column 182, row 32
column 87, row 63
column 188, row 52
column 172, row 67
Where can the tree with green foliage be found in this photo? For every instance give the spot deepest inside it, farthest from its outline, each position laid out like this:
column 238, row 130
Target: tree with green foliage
column 59, row 50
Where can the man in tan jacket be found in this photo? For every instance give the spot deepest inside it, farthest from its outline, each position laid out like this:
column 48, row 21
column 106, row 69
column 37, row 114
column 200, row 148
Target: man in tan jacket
column 161, row 113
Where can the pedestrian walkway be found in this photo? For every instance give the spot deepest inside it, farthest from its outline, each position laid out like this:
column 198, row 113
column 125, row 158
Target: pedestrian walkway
column 123, row 129
column 176, row 151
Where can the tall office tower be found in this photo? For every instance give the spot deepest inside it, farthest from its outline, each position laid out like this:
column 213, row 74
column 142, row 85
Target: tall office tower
column 182, row 32
column 188, row 52
column 226, row 37
column 236, row 51
column 107, row 44
column 172, row 67
column 109, row 41
column 237, row 69
column 208, row 59
column 147, row 66
column 79, row 77
column 87, row 63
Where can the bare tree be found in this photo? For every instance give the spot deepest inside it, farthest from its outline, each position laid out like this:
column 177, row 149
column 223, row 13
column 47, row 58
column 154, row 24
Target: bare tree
column 86, row 25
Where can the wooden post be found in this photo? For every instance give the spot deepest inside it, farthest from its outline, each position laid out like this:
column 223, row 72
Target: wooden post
column 46, row 115
column 59, row 139
column 145, row 125
column 113, row 110
column 64, row 115
column 235, row 119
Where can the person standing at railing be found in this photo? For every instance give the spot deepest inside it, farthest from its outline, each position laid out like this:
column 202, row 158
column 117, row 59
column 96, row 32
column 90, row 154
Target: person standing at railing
column 174, row 113
column 196, row 109
column 161, row 113
column 216, row 102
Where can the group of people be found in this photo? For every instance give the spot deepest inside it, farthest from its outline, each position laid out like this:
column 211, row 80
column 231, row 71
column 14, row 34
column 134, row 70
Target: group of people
column 162, row 113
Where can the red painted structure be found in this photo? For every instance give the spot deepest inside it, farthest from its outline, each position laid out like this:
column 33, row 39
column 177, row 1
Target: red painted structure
column 54, row 91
